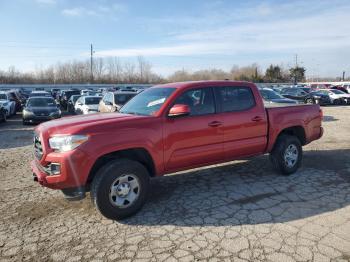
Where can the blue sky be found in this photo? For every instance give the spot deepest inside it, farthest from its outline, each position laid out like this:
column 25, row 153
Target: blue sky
column 192, row 34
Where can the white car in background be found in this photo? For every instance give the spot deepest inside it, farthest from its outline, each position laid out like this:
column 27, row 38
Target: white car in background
column 337, row 96
column 85, row 92
column 9, row 105
column 87, row 105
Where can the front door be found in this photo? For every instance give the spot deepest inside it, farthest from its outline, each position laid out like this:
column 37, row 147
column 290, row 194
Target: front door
column 195, row 139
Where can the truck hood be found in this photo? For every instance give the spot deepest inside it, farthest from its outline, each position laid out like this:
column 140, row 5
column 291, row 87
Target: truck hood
column 84, row 123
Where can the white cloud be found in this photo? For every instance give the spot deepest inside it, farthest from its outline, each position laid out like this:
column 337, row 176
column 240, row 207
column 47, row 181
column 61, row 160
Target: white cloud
column 320, row 31
column 48, row 2
column 99, row 11
column 78, row 11
column 175, row 50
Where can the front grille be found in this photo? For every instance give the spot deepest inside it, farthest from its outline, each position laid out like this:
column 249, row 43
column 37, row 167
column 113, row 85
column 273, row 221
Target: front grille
column 38, row 149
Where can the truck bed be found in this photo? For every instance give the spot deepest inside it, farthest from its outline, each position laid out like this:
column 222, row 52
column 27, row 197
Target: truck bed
column 274, row 105
column 282, row 116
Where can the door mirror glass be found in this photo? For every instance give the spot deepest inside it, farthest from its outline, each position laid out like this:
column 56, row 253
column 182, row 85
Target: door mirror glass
column 179, row 110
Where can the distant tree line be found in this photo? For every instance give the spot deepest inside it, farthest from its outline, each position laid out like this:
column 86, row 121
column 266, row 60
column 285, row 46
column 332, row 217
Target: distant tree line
column 113, row 70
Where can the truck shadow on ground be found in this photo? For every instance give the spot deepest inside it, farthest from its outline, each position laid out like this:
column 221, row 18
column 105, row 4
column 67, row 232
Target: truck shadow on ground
column 329, row 119
column 249, row 192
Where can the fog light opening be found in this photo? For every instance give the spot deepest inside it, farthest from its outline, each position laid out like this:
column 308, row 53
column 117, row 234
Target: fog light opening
column 55, row 169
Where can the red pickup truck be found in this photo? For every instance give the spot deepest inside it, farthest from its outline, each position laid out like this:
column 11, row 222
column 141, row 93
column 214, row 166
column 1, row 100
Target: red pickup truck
column 164, row 129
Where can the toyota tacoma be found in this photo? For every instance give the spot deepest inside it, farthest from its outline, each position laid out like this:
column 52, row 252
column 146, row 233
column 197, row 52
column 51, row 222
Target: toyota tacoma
column 165, row 129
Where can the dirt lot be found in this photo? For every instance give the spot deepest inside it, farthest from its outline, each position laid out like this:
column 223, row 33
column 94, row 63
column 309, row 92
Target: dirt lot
column 237, row 212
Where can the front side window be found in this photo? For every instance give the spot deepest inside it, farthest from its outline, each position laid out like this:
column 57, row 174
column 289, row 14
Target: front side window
column 147, row 102
column 200, row 101
column 121, row 99
column 234, row 99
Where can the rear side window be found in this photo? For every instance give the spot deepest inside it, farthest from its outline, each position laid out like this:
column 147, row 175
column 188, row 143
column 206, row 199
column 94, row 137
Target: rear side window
column 232, row 99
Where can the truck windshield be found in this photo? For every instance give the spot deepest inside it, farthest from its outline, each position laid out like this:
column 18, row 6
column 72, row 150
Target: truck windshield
column 148, row 102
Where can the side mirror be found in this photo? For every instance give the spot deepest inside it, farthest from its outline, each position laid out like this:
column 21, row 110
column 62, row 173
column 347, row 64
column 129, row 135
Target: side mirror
column 108, row 103
column 179, row 110
column 79, row 104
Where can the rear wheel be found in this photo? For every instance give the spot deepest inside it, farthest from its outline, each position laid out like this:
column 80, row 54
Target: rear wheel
column 4, row 117
column 310, row 101
column 287, row 154
column 120, row 188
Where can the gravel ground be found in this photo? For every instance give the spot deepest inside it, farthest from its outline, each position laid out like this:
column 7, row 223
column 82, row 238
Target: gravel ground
column 241, row 211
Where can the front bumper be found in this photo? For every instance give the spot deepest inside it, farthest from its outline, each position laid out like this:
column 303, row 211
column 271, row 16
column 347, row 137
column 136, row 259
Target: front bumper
column 39, row 119
column 74, row 170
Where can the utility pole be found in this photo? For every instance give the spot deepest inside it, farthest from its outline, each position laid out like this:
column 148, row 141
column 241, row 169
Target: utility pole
column 343, row 76
column 296, row 60
column 91, row 64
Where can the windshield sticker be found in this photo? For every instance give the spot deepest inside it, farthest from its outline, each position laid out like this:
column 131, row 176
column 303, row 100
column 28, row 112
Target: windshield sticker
column 156, row 102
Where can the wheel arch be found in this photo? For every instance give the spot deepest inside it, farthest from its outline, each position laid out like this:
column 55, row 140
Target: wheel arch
column 138, row 154
column 297, row 131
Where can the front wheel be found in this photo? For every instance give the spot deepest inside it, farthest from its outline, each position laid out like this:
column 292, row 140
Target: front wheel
column 4, row 117
column 120, row 188
column 287, row 154
column 310, row 101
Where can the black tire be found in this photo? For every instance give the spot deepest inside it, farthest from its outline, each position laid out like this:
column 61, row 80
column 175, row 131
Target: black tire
column 309, row 101
column 4, row 117
column 105, row 178
column 277, row 155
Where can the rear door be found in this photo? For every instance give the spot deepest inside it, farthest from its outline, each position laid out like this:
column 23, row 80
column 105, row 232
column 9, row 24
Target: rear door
column 244, row 121
column 196, row 139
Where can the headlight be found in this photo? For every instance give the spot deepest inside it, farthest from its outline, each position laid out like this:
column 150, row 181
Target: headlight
column 56, row 113
column 67, row 143
column 27, row 111
column 4, row 104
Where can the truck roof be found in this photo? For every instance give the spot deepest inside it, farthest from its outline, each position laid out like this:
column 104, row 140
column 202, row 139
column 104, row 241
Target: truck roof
column 204, row 82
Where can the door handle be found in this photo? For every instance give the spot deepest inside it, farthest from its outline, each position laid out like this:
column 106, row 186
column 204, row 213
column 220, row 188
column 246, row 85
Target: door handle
column 257, row 118
column 215, row 123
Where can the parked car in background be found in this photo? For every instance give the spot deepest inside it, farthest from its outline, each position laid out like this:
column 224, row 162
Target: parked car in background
column 85, row 92
column 54, row 92
column 306, row 89
column 7, row 104
column 40, row 109
column 65, row 95
column 40, row 94
column 113, row 101
column 273, row 97
column 87, row 105
column 3, row 114
column 344, row 88
column 338, row 96
column 315, row 97
column 18, row 99
column 71, row 103
column 295, row 94
column 165, row 129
